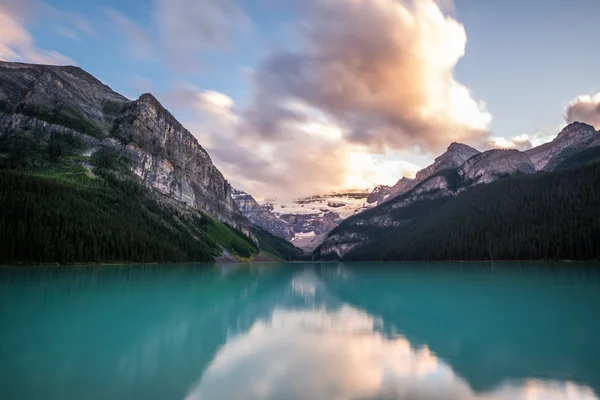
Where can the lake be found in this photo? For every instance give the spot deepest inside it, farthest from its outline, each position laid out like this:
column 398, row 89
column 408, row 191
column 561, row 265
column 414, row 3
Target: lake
column 301, row 331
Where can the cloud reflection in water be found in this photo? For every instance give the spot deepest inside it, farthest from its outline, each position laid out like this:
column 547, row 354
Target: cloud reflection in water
column 325, row 353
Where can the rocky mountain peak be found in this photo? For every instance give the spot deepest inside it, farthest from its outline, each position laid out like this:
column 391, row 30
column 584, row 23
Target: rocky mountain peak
column 455, row 156
column 378, row 194
column 573, row 137
column 574, row 130
column 491, row 165
column 457, row 152
column 162, row 153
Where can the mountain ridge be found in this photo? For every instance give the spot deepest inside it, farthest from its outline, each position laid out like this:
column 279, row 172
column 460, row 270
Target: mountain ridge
column 70, row 123
column 164, row 154
column 437, row 184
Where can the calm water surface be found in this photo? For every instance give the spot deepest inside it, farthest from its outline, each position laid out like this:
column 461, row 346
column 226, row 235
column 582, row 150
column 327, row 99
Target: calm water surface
column 303, row 331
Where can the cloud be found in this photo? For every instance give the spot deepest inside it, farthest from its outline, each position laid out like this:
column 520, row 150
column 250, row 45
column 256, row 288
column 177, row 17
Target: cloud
column 187, row 27
column 521, row 142
column 339, row 353
column 369, row 78
column 308, row 161
column 16, row 43
column 312, row 158
column 72, row 25
column 68, row 33
column 140, row 43
column 525, row 141
column 584, row 109
column 381, row 69
column 79, row 23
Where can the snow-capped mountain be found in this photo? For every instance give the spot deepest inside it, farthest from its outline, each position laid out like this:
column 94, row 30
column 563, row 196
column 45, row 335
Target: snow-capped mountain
column 304, row 221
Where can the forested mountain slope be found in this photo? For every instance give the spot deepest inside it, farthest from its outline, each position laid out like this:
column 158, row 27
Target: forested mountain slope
column 548, row 215
column 90, row 176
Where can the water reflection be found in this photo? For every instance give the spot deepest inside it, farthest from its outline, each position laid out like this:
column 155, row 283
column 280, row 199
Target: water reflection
column 354, row 332
column 313, row 346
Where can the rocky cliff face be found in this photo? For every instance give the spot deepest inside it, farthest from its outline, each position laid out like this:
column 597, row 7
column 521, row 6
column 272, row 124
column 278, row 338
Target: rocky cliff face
column 455, row 155
column 379, row 194
column 163, row 153
column 457, row 170
column 261, row 216
column 304, row 221
column 492, row 165
column 574, row 137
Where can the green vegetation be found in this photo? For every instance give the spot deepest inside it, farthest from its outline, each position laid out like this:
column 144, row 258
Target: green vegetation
column 110, row 160
column 113, row 108
column 581, row 158
column 529, row 217
column 33, row 149
column 276, row 246
column 61, row 115
column 47, row 220
column 53, row 209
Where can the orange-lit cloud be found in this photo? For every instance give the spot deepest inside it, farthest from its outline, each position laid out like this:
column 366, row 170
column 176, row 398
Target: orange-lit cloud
column 585, row 109
column 371, row 77
column 308, row 161
column 382, row 69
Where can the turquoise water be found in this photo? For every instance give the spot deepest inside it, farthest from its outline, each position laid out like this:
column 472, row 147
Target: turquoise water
column 303, row 331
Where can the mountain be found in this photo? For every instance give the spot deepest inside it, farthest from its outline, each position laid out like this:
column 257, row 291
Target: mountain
column 164, row 154
column 390, row 229
column 304, row 221
column 571, row 140
column 454, row 156
column 60, row 122
column 261, row 216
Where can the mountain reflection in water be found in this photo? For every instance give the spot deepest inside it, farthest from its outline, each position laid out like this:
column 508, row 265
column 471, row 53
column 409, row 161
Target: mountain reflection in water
column 321, row 348
column 303, row 331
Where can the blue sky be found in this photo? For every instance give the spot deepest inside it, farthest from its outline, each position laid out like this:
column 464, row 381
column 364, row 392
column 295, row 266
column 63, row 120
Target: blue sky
column 257, row 80
column 528, row 58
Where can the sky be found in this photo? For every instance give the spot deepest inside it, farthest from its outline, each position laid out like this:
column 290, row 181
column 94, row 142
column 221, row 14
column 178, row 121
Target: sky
column 297, row 97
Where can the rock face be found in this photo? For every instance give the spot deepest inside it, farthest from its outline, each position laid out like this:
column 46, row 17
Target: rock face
column 261, row 216
column 457, row 170
column 574, row 137
column 164, row 154
column 379, row 194
column 454, row 156
column 494, row 164
column 304, row 221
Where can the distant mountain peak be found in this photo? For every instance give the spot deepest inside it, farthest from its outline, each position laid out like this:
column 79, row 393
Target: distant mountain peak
column 459, row 151
column 456, row 146
column 573, row 137
column 575, row 129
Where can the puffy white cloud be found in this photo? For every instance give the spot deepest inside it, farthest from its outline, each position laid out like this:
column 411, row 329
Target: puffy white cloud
column 521, row 142
column 382, row 69
column 371, row 77
column 16, row 43
column 311, row 158
column 584, row 109
column 525, row 141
